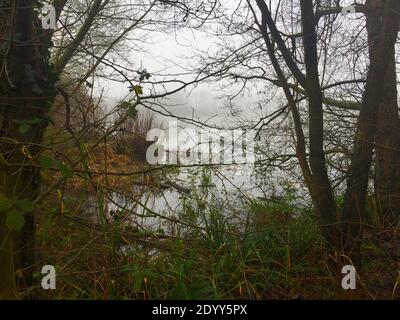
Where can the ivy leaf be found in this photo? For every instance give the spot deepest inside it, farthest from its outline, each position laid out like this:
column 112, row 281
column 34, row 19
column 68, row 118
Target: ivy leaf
column 24, row 128
column 5, row 203
column 132, row 112
column 3, row 46
column 144, row 75
column 24, row 205
column 45, row 162
column 34, row 120
column 36, row 89
column 37, row 120
column 138, row 89
column 17, row 36
column 15, row 220
column 124, row 105
column 30, row 73
column 65, row 170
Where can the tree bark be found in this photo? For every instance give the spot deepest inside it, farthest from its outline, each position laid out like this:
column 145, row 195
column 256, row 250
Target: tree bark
column 387, row 140
column 8, row 288
column 357, row 184
column 26, row 91
column 387, row 151
column 324, row 200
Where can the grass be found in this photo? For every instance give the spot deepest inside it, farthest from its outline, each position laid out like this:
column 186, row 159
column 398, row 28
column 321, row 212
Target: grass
column 277, row 257
column 275, row 253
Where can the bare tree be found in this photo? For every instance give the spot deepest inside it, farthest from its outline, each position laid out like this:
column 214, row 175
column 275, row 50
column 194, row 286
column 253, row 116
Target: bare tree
column 306, row 71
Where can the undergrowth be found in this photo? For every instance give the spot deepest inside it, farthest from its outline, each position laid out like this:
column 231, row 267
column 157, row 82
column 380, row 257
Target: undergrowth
column 275, row 253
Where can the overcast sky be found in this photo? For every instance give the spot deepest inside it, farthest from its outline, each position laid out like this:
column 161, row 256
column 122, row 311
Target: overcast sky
column 166, row 52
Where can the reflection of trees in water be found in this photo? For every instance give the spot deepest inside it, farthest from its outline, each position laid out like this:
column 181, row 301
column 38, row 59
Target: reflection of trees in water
column 228, row 190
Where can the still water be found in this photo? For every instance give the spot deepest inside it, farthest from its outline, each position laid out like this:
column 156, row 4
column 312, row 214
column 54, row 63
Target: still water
column 223, row 189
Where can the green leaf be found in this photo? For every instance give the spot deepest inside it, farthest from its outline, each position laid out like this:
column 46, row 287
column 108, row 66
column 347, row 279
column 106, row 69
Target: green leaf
column 125, row 105
column 128, row 268
column 65, row 170
column 15, row 220
column 24, row 205
column 5, row 203
column 138, row 89
column 3, row 46
column 36, row 89
column 138, row 281
column 24, row 128
column 30, row 73
column 132, row 112
column 100, row 206
column 34, row 120
column 45, row 162
column 144, row 75
column 17, row 36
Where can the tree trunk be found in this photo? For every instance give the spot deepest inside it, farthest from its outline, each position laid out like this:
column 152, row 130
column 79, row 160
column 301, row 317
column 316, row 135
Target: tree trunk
column 357, row 184
column 387, row 150
column 8, row 288
column 315, row 174
column 322, row 194
column 26, row 89
column 387, row 140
